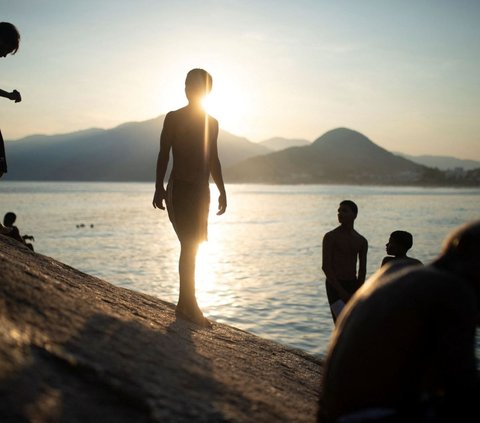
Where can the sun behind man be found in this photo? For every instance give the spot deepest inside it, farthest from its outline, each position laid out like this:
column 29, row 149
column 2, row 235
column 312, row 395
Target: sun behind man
column 341, row 249
column 191, row 134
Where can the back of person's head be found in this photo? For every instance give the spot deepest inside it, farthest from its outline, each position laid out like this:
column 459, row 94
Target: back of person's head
column 351, row 205
column 9, row 218
column 9, row 36
column 402, row 238
column 461, row 250
column 198, row 82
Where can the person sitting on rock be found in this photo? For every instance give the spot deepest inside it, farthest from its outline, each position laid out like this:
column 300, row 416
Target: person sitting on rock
column 9, row 220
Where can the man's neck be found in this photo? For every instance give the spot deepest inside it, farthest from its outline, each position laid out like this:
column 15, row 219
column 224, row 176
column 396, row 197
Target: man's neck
column 347, row 227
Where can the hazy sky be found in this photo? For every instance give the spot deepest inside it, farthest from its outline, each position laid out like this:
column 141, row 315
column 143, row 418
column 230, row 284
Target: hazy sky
column 404, row 73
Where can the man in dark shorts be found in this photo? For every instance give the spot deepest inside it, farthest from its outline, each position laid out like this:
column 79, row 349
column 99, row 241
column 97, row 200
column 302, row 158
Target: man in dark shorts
column 191, row 134
column 403, row 349
column 342, row 247
column 9, row 42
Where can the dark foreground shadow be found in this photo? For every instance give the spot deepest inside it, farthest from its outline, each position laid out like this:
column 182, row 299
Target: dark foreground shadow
column 114, row 370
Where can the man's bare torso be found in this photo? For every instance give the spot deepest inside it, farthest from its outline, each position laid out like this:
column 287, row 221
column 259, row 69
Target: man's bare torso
column 346, row 247
column 192, row 135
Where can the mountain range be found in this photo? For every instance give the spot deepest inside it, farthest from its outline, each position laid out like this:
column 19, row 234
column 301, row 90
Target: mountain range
column 443, row 162
column 339, row 156
column 279, row 143
column 128, row 153
column 125, row 153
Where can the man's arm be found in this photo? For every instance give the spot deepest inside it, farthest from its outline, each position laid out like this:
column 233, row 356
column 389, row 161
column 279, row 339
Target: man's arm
column 14, row 95
column 362, row 259
column 327, row 266
column 162, row 162
column 216, row 172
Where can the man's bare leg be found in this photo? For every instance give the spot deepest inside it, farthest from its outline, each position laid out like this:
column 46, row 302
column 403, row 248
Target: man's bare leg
column 187, row 306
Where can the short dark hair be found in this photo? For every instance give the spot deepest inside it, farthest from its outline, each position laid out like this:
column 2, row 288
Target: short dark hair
column 199, row 76
column 351, row 205
column 404, row 238
column 9, row 218
column 10, row 36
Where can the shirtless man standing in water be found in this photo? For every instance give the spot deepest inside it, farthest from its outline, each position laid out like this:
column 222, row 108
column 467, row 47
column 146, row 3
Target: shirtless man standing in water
column 191, row 134
column 341, row 249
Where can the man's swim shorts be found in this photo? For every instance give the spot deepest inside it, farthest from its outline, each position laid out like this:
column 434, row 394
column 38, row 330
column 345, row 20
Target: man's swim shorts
column 188, row 204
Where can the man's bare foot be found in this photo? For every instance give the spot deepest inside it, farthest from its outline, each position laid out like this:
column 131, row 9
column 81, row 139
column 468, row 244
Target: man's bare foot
column 193, row 315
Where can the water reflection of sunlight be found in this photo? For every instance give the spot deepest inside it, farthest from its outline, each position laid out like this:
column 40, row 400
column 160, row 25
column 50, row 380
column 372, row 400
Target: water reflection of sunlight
column 205, row 275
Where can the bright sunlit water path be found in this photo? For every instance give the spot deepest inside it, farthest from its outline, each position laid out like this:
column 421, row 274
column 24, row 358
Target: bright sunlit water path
column 260, row 270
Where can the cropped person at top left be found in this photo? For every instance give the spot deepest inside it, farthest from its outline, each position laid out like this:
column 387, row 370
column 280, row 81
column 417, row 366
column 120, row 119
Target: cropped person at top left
column 9, row 43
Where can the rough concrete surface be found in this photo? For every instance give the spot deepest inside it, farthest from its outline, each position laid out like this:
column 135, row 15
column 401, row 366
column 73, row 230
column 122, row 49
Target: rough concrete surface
column 74, row 348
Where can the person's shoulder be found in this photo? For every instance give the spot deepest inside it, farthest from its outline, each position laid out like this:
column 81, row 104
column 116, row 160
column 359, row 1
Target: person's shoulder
column 173, row 114
column 360, row 237
column 173, row 117
column 331, row 233
column 387, row 259
column 212, row 120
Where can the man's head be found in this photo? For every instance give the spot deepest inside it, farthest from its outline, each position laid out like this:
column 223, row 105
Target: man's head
column 9, row 218
column 461, row 253
column 347, row 211
column 399, row 243
column 9, row 39
column 198, row 84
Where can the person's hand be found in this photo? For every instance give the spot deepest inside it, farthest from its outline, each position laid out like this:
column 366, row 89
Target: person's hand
column 15, row 95
column 158, row 198
column 222, row 204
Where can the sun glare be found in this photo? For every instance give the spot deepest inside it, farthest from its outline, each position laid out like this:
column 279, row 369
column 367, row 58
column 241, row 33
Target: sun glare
column 228, row 107
column 205, row 276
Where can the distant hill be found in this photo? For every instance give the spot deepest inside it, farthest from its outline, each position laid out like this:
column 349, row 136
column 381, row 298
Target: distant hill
column 339, row 156
column 129, row 152
column 279, row 143
column 125, row 153
column 443, row 162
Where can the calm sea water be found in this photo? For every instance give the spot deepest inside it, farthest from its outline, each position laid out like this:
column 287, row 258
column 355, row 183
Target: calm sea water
column 260, row 270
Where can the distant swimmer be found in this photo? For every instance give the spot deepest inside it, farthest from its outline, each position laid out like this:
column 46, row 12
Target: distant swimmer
column 9, row 43
column 191, row 135
column 342, row 247
column 403, row 349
